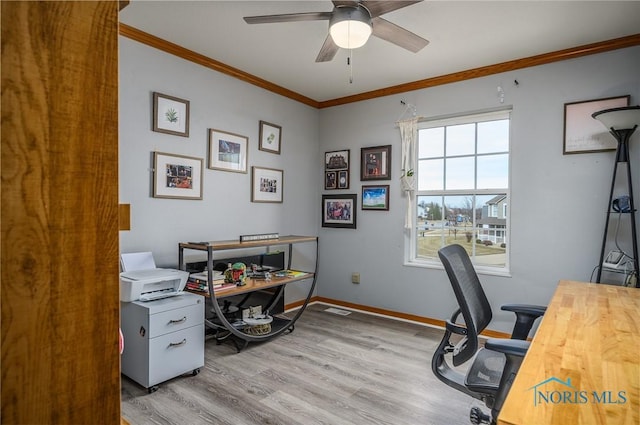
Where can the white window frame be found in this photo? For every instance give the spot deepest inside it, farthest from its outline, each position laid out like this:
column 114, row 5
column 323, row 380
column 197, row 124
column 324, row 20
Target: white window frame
column 411, row 258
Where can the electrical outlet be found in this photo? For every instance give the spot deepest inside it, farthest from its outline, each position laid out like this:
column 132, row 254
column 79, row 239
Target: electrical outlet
column 355, row 277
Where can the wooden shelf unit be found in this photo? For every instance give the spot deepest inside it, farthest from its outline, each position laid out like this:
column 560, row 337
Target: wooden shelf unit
column 221, row 325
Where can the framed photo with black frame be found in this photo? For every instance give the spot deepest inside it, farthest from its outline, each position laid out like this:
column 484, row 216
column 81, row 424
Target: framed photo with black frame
column 336, row 169
column 375, row 163
column 583, row 133
column 339, row 211
column 177, row 176
column 170, row 115
column 375, row 198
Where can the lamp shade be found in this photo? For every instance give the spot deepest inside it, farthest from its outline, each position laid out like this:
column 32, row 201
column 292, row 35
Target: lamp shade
column 350, row 27
column 624, row 118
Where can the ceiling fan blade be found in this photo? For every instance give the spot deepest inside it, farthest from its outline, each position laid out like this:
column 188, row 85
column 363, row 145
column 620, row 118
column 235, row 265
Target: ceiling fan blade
column 397, row 35
column 377, row 8
column 328, row 50
column 338, row 3
column 288, row 17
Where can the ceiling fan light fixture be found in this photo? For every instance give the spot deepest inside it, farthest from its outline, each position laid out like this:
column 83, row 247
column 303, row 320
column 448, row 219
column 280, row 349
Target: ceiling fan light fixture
column 350, row 27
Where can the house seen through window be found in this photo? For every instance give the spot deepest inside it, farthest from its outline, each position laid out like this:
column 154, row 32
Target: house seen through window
column 463, row 189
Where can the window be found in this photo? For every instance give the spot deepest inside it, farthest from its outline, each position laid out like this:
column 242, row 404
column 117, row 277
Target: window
column 463, row 189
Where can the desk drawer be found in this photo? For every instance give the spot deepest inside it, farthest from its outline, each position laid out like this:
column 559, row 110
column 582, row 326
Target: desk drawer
column 175, row 320
column 176, row 353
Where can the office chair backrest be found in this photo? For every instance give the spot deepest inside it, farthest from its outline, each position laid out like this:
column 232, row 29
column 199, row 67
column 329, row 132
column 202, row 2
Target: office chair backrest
column 474, row 306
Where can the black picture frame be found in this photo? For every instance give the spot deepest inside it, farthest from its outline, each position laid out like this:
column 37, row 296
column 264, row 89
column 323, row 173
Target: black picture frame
column 375, row 197
column 340, row 211
column 336, row 169
column 375, row 163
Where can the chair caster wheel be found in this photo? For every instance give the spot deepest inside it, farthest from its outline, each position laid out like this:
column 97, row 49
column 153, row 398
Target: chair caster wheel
column 478, row 417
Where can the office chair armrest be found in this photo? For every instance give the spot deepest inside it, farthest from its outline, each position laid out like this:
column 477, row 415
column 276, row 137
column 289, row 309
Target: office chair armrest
column 455, row 328
column 510, row 347
column 532, row 310
column 526, row 314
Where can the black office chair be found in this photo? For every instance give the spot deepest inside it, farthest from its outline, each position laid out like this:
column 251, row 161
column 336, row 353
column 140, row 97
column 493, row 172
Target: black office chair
column 492, row 368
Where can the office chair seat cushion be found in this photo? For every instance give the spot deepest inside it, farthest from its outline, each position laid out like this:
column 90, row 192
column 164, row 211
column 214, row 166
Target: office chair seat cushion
column 485, row 372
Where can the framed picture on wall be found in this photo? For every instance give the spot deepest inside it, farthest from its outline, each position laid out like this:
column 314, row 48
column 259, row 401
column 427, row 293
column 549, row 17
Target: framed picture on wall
column 339, row 211
column 330, row 179
column 375, row 198
column 266, row 184
column 270, row 137
column 343, row 179
column 170, row 115
column 336, row 169
column 177, row 176
column 227, row 151
column 375, row 163
column 583, row 133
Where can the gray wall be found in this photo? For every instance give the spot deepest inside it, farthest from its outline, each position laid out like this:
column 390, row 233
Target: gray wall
column 557, row 205
column 226, row 211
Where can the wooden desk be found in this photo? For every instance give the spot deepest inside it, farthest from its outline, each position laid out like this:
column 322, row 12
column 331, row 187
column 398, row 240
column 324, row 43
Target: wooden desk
column 252, row 285
column 589, row 335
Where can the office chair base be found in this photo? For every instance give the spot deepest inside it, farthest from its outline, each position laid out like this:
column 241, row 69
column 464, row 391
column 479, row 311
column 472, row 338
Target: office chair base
column 477, row 416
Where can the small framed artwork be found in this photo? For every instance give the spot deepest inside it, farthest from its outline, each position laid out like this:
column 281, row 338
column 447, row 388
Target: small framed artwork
column 227, row 151
column 266, row 184
column 177, row 176
column 336, row 160
column 170, row 115
column 336, row 169
column 339, row 211
column 270, row 137
column 583, row 133
column 343, row 179
column 375, row 198
column 330, row 179
column 375, row 163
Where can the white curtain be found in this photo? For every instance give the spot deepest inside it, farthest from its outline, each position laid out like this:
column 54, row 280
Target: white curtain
column 409, row 135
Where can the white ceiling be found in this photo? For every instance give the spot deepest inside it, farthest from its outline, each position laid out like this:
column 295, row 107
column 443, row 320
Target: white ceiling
column 463, row 35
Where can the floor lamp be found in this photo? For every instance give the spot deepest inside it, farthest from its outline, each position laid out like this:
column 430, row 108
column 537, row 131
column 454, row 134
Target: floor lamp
column 621, row 122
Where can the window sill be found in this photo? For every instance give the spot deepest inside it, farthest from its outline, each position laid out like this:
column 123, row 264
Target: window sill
column 489, row 271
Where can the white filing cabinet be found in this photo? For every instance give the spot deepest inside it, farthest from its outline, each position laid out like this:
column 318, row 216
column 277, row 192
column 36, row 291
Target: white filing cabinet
column 162, row 339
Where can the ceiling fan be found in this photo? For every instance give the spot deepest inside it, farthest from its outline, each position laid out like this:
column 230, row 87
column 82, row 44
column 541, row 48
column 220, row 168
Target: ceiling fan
column 351, row 23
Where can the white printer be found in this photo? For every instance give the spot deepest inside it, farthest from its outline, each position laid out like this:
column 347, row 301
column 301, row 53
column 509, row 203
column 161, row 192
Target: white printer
column 151, row 284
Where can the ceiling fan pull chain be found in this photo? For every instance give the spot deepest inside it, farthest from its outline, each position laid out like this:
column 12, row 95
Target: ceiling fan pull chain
column 349, row 60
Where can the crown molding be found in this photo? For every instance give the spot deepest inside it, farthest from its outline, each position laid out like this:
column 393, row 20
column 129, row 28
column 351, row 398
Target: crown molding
column 174, row 49
column 559, row 55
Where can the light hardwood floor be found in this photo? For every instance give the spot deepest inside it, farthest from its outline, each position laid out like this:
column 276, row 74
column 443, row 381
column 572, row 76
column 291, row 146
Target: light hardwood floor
column 332, row 370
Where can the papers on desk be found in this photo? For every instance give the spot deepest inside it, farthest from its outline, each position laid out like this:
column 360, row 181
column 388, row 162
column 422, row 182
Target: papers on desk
column 137, row 261
column 217, row 275
column 290, row 273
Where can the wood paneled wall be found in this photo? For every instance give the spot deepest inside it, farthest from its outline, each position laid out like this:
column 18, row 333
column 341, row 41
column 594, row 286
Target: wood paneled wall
column 60, row 303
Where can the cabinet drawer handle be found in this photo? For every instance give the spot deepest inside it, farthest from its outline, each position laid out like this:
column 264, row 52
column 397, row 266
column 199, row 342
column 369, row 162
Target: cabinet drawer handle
column 178, row 344
column 184, row 319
